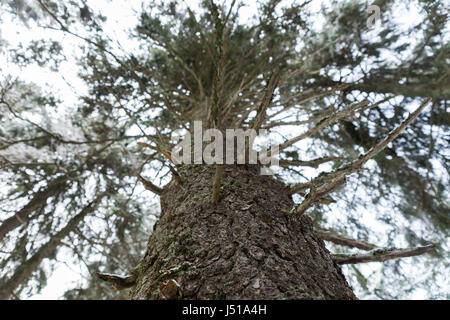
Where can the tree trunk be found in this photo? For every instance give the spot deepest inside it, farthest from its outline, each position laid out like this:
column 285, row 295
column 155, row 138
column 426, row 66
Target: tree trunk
column 247, row 246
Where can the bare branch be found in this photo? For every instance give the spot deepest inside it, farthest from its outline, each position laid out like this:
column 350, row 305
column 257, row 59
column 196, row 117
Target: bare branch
column 381, row 255
column 158, row 148
column 344, row 241
column 317, row 193
column 118, row 282
column 308, row 163
column 150, row 186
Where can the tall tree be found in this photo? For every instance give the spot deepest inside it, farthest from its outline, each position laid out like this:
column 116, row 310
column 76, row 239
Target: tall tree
column 359, row 113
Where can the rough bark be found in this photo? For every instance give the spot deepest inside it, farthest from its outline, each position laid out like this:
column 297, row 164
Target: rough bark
column 246, row 246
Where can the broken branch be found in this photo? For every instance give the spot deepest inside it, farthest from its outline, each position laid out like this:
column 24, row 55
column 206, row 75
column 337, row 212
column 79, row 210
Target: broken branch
column 118, row 282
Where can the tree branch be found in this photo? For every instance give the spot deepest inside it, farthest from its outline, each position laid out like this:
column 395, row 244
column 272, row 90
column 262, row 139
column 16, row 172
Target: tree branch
column 344, row 241
column 381, row 255
column 216, row 184
column 308, row 163
column 326, row 122
column 150, row 186
column 26, row 269
column 267, row 99
column 118, row 282
column 328, row 182
column 38, row 200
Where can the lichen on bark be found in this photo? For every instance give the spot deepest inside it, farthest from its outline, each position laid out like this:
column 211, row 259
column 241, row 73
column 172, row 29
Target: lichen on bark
column 246, row 246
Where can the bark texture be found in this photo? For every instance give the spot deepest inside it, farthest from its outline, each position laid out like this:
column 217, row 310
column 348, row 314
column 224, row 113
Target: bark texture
column 246, row 246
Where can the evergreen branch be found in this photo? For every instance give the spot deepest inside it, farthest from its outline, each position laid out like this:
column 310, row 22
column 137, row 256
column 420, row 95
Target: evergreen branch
column 65, row 29
column 328, row 182
column 203, row 39
column 267, row 99
column 415, row 88
column 315, row 95
column 26, row 269
column 38, row 200
column 381, row 255
column 326, row 122
column 178, row 58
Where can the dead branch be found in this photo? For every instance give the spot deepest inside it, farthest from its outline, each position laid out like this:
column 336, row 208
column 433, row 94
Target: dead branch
column 308, row 163
column 158, row 148
column 118, row 282
column 150, row 186
column 344, row 241
column 381, row 255
column 175, row 174
column 317, row 193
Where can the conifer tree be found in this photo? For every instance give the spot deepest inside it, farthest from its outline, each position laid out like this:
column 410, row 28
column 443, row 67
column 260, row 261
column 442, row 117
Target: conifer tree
column 357, row 104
